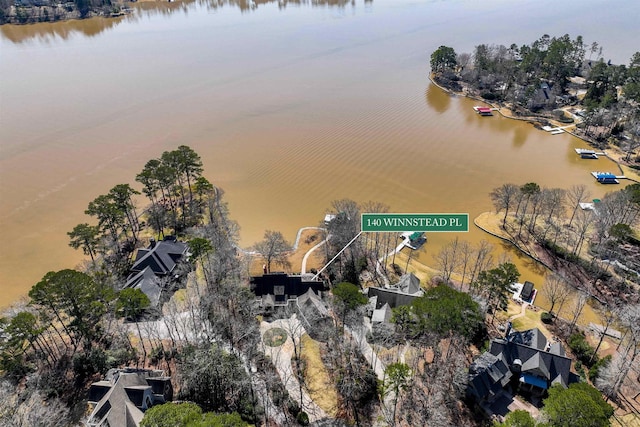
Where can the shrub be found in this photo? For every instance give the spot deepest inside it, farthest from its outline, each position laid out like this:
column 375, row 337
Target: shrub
column 120, row 356
column 595, row 369
column 490, row 96
column 581, row 348
column 302, row 418
column 293, row 407
column 86, row 365
column 546, row 317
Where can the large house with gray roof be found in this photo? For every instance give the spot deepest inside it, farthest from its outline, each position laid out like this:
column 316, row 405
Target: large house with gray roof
column 383, row 300
column 278, row 288
column 125, row 394
column 161, row 257
column 526, row 360
column 152, row 264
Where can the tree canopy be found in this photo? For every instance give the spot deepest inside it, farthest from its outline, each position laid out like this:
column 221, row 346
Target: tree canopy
column 579, row 405
column 518, row 418
column 349, row 295
column 131, row 302
column 216, row 380
column 188, row 415
column 495, row 285
column 443, row 58
column 85, row 236
column 76, row 300
column 442, row 310
column 348, row 298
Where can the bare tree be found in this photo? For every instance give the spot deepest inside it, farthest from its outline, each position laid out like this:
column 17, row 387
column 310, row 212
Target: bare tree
column 483, row 259
column 529, row 191
column 556, row 290
column 579, row 301
column 448, row 259
column 607, row 316
column 274, row 249
column 466, row 254
column 576, row 195
column 612, row 378
column 504, row 197
column 35, row 412
column 585, row 219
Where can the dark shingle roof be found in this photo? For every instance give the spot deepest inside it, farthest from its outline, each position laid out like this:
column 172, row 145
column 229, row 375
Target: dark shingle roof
column 311, row 304
column 147, row 281
column 390, row 296
column 115, row 407
column 523, row 352
column 529, row 346
column 531, row 338
column 161, row 257
column 409, row 284
column 488, row 374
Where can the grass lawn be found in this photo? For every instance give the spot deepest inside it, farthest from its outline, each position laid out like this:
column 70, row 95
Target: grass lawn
column 275, row 337
column 421, row 271
column 629, row 420
column 308, row 239
column 320, row 387
column 531, row 320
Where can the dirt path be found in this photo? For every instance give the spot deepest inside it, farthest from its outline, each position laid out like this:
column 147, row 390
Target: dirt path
column 303, row 269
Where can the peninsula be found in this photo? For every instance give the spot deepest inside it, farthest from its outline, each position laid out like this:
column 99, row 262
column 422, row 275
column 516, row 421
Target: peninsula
column 558, row 83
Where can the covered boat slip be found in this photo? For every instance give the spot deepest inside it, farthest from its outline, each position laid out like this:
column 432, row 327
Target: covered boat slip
column 483, row 111
column 589, row 154
column 606, row 177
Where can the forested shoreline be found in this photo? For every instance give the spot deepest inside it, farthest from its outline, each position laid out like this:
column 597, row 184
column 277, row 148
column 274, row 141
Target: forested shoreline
column 212, row 336
column 553, row 79
column 34, row 11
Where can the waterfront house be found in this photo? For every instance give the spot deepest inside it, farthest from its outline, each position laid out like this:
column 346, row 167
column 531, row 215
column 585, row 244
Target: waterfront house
column 284, row 286
column 125, row 394
column 382, row 300
column 152, row 264
column 161, row 257
column 147, row 281
column 522, row 361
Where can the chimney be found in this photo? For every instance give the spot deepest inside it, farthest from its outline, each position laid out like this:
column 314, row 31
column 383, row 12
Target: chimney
column 516, row 366
column 152, row 243
column 508, row 331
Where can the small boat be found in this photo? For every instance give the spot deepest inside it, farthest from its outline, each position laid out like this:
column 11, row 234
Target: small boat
column 483, row 111
column 586, row 154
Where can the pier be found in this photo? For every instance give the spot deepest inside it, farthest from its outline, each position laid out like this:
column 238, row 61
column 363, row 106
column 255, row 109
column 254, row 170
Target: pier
column 607, row 177
column 589, row 154
column 556, row 130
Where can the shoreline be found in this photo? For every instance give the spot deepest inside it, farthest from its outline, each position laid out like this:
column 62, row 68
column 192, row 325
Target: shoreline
column 535, row 120
column 32, row 14
column 485, row 227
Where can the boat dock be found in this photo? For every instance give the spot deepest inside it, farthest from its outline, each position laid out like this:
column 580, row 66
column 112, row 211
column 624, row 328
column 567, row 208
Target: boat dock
column 557, row 130
column 607, row 177
column 589, row 154
column 484, row 111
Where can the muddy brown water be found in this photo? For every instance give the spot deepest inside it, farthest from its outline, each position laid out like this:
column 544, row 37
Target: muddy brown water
column 290, row 107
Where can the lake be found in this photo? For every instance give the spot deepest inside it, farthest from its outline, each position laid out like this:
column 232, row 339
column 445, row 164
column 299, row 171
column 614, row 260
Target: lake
column 290, row 104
